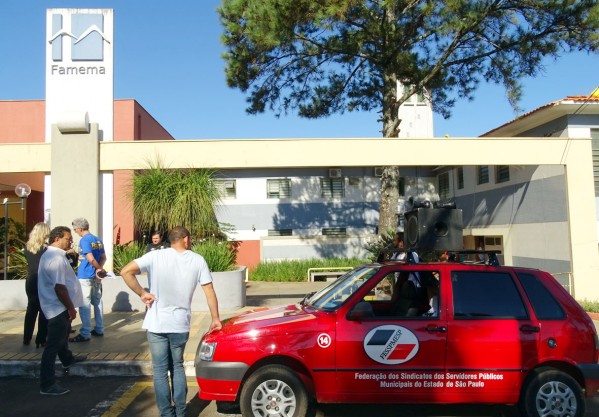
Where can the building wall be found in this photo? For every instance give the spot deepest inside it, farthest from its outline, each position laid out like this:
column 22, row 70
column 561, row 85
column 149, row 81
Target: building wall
column 23, row 122
column 131, row 122
column 529, row 212
column 256, row 217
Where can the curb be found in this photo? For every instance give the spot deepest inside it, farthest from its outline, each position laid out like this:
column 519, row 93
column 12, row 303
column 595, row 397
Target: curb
column 31, row 369
column 593, row 316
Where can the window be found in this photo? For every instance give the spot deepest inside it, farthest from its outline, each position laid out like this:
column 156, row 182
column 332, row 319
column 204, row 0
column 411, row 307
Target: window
column 502, row 173
column 486, row 295
column 334, row 231
column 483, row 174
column 543, row 303
column 595, row 152
column 460, row 179
column 417, row 98
column 280, row 232
column 278, row 188
column 332, row 187
column 227, row 188
column 444, row 186
column 492, row 240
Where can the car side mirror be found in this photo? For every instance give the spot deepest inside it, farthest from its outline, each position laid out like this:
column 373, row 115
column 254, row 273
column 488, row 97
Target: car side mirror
column 361, row 311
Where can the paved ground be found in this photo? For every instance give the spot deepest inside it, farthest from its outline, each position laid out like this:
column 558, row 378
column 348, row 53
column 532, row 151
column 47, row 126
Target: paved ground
column 123, row 350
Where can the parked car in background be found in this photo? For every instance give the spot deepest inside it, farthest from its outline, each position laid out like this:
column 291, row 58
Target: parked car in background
column 397, row 332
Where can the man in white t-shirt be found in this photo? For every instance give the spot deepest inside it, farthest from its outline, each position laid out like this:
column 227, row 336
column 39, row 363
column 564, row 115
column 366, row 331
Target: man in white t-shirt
column 60, row 295
column 173, row 275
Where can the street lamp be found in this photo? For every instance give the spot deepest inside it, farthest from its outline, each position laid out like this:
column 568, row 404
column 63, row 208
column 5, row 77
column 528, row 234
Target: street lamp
column 22, row 191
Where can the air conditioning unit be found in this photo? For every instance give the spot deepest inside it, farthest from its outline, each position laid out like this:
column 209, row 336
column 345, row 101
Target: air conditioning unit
column 334, row 172
column 378, row 171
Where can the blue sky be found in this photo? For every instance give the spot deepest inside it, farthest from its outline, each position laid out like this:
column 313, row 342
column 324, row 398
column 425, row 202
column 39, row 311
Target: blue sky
column 167, row 57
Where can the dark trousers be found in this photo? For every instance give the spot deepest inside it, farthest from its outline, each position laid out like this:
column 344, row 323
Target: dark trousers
column 56, row 345
column 34, row 312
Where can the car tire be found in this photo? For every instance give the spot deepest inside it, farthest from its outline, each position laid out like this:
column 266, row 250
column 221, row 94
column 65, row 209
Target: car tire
column 273, row 390
column 553, row 393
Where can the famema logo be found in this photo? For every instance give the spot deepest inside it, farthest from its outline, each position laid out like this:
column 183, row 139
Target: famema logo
column 86, row 36
column 390, row 344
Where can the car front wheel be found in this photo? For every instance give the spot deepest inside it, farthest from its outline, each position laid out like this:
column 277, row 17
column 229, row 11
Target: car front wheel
column 553, row 394
column 273, row 391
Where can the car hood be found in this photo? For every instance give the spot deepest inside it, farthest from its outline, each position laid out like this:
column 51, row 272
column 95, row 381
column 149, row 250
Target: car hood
column 259, row 322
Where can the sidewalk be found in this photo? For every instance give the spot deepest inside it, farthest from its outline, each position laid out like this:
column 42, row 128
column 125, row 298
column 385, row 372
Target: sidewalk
column 123, row 350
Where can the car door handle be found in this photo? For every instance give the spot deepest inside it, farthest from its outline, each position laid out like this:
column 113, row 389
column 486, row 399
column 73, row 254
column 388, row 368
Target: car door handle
column 440, row 329
column 533, row 329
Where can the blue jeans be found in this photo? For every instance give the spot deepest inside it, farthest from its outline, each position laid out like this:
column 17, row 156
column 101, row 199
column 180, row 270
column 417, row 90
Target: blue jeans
column 167, row 356
column 92, row 296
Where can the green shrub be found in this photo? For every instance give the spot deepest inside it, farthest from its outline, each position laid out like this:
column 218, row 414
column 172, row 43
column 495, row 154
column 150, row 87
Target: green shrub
column 590, row 306
column 18, row 265
column 219, row 255
column 123, row 254
column 296, row 270
column 384, row 241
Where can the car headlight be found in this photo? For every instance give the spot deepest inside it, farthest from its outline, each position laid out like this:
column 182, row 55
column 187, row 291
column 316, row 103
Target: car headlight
column 207, row 351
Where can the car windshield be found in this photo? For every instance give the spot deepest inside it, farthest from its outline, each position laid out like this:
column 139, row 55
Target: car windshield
column 335, row 294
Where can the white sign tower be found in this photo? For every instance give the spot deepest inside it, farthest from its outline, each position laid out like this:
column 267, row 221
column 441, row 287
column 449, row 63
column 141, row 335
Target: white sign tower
column 80, row 87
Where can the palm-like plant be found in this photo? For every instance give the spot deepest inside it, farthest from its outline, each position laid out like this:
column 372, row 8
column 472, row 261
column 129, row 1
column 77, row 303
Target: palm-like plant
column 165, row 198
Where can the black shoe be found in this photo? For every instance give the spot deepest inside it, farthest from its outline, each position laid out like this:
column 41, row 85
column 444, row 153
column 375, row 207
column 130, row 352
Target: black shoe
column 78, row 339
column 54, row 390
column 95, row 333
column 76, row 359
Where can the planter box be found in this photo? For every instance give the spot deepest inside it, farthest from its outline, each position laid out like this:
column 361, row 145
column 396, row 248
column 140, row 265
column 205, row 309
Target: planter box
column 229, row 287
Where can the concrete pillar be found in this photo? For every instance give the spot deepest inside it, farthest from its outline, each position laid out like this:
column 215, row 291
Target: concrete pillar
column 75, row 177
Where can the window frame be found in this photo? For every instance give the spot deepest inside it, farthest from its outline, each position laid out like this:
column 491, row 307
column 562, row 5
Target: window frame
column 334, row 231
column 282, row 184
column 221, row 186
column 460, row 177
column 280, row 232
column 443, row 187
column 502, row 173
column 329, row 190
column 482, row 174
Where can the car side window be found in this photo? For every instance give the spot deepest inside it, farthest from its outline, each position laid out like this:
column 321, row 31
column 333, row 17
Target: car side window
column 385, row 288
column 406, row 294
column 543, row 303
column 486, row 295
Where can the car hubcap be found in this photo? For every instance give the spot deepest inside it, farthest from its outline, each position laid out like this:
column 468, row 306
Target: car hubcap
column 556, row 399
column 273, row 398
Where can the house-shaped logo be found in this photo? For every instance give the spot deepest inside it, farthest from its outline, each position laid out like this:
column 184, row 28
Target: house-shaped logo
column 83, row 32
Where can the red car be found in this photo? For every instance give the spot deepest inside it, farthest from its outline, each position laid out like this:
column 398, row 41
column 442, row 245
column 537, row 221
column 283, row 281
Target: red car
column 435, row 333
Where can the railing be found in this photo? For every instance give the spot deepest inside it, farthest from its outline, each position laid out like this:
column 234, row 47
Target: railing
column 325, row 273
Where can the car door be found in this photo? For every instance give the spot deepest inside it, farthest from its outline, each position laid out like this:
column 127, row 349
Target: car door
column 491, row 338
column 383, row 357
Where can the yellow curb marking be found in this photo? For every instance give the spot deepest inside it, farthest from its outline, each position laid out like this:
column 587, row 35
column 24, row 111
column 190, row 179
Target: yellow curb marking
column 128, row 397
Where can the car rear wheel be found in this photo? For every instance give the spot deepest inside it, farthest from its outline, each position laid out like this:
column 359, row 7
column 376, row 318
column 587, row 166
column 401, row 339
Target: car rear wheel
column 552, row 394
column 273, row 391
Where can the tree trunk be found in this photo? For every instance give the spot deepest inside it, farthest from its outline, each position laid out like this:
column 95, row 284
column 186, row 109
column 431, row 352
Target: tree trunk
column 389, row 200
column 389, row 197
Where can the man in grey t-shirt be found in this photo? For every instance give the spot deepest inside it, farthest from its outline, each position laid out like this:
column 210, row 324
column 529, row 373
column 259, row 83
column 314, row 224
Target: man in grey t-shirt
column 173, row 275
